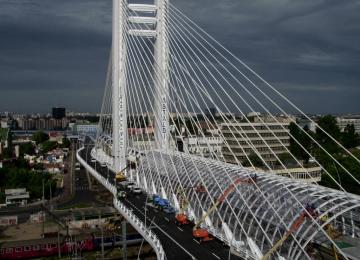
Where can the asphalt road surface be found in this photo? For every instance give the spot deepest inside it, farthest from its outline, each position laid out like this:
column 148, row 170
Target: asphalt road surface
column 177, row 242
column 82, row 192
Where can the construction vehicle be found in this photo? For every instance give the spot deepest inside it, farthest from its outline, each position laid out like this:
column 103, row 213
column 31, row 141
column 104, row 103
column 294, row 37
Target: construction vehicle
column 181, row 218
column 120, row 176
column 309, row 212
column 200, row 189
column 160, row 203
column 202, row 234
column 332, row 232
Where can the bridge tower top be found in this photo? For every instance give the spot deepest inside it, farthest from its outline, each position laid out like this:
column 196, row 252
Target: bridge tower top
column 121, row 18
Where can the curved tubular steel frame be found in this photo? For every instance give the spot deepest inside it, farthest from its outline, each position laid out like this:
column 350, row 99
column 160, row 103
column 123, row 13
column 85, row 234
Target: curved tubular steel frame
column 263, row 210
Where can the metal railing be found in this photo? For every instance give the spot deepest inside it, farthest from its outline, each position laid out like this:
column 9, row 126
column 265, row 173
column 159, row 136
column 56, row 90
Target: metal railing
column 148, row 235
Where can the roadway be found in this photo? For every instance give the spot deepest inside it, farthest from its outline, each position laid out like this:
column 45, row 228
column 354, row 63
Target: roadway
column 79, row 186
column 178, row 242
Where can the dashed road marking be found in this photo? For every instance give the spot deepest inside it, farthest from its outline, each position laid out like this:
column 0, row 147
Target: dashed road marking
column 180, row 229
column 167, row 219
column 166, row 234
column 215, row 255
column 196, row 241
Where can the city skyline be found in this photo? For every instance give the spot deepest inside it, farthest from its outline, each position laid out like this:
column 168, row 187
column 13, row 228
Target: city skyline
column 55, row 53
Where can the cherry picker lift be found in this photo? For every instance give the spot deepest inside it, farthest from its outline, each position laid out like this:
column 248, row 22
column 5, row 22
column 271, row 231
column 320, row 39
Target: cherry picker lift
column 202, row 234
column 181, row 218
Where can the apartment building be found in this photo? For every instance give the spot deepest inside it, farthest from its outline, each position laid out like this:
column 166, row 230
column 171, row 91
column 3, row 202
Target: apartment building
column 243, row 139
column 342, row 122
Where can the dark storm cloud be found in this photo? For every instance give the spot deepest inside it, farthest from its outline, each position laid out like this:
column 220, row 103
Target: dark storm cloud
column 309, row 49
column 55, row 52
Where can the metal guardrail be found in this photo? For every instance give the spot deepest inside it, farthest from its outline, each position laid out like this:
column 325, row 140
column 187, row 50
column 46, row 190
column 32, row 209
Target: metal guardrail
column 141, row 228
column 148, row 235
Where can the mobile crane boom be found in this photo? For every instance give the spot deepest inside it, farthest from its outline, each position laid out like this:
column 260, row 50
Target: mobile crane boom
column 307, row 213
column 218, row 201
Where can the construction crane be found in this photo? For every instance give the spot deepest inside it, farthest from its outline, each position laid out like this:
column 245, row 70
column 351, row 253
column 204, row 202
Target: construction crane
column 181, row 218
column 203, row 234
column 120, row 176
column 309, row 212
column 332, row 233
column 131, row 162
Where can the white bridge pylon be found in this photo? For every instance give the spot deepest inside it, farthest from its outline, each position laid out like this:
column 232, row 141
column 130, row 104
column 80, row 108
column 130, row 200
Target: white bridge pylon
column 157, row 21
column 177, row 100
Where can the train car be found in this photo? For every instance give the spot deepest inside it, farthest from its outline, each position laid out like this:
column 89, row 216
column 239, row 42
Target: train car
column 82, row 243
column 50, row 246
column 43, row 247
column 29, row 249
column 111, row 240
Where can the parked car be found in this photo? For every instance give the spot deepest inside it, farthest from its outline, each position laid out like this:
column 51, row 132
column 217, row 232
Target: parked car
column 130, row 185
column 160, row 202
column 136, row 190
column 168, row 209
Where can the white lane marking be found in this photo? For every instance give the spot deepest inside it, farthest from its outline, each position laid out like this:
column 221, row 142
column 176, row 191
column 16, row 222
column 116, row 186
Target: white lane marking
column 215, row 255
column 180, row 229
column 166, row 219
column 166, row 234
column 196, row 241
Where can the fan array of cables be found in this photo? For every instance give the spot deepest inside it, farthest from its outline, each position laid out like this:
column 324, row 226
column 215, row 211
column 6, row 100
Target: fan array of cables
column 202, row 76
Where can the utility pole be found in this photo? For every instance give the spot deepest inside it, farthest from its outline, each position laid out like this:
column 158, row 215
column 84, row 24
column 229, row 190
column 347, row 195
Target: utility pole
column 102, row 242
column 43, row 213
column 124, row 246
column 50, row 196
column 43, row 192
column 58, row 240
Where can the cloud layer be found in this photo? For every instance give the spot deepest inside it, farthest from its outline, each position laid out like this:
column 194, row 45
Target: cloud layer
column 55, row 52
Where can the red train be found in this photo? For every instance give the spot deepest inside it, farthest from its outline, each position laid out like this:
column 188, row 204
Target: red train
column 44, row 247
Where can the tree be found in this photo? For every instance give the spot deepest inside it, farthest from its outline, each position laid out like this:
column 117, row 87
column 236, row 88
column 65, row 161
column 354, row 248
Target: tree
column 286, row 159
column 255, row 160
column 350, row 138
column 48, row 146
column 340, row 175
column 301, row 136
column 27, row 148
column 40, row 137
column 329, row 124
column 66, row 143
column 15, row 177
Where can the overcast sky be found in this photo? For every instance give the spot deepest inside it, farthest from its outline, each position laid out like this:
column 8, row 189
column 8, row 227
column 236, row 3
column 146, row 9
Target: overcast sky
column 55, row 52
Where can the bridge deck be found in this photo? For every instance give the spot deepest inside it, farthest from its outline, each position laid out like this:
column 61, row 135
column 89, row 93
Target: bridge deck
column 177, row 242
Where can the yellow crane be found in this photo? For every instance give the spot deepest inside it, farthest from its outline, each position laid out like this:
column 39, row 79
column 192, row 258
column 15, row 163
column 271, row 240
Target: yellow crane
column 307, row 213
column 332, row 232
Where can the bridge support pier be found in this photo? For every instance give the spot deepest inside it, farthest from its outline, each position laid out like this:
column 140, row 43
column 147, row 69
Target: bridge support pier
column 124, row 246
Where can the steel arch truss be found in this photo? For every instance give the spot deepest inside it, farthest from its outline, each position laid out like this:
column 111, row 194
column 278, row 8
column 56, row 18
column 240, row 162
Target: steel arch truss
column 261, row 208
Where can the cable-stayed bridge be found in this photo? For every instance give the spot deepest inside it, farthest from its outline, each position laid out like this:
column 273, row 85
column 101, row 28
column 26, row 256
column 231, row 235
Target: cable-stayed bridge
column 166, row 78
